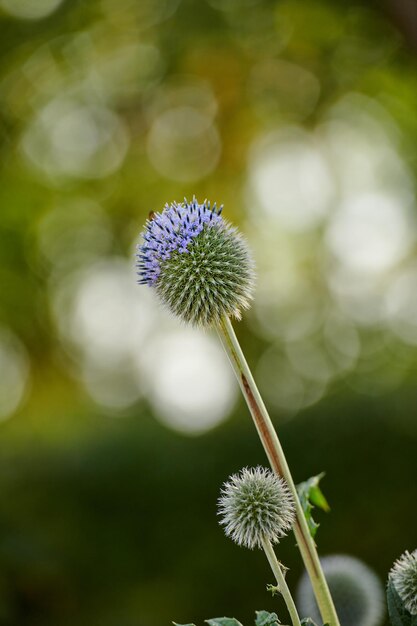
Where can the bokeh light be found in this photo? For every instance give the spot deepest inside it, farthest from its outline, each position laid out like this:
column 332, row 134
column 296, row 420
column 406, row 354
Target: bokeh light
column 14, row 373
column 279, row 86
column 371, row 233
column 75, row 139
column 103, row 317
column 75, row 233
column 291, row 180
column 183, row 144
column 190, row 382
column 401, row 305
column 30, row 9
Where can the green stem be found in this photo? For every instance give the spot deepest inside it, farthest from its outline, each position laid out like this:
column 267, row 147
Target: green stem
column 279, row 464
column 282, row 583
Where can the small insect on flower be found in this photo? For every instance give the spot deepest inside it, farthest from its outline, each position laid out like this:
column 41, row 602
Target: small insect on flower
column 255, row 505
column 198, row 263
column 403, row 576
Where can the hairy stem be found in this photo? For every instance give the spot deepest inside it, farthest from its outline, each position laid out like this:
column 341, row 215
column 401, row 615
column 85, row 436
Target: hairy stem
column 280, row 578
column 279, row 464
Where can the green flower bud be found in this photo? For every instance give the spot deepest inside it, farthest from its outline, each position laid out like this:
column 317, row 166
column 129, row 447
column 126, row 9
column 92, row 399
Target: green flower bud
column 403, row 576
column 256, row 504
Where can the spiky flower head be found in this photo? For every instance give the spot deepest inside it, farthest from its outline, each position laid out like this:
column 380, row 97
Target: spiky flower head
column 403, row 576
column 255, row 504
column 198, row 263
column 356, row 591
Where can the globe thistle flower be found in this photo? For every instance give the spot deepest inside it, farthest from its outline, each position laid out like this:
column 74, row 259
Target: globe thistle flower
column 255, row 505
column 198, row 263
column 357, row 592
column 403, row 576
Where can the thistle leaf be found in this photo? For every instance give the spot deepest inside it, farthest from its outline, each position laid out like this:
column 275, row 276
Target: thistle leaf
column 263, row 618
column 312, row 496
column 223, row 621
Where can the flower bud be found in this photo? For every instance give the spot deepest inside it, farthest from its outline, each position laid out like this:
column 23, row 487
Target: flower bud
column 255, row 505
column 403, row 576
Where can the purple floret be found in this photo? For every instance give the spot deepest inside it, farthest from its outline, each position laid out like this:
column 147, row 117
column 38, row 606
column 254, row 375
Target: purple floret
column 170, row 231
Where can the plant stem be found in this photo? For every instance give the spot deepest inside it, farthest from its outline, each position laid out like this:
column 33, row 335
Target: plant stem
column 279, row 464
column 282, row 583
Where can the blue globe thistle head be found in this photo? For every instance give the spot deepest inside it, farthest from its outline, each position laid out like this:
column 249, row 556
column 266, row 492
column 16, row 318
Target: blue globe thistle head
column 255, row 504
column 199, row 265
column 403, row 576
column 356, row 590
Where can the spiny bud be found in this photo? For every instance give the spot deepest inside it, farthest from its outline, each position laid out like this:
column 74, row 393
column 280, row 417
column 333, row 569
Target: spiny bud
column 199, row 264
column 256, row 504
column 403, row 576
column 356, row 591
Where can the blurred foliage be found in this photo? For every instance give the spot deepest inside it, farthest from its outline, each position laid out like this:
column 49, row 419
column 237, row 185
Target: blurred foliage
column 300, row 118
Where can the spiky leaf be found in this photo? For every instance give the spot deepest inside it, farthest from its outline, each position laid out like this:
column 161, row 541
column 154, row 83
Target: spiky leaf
column 223, row 621
column 263, row 618
column 312, row 496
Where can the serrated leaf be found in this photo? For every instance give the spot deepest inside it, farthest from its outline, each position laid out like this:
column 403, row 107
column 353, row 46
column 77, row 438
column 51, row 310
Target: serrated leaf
column 223, row 621
column 263, row 618
column 312, row 496
column 175, row 624
column 398, row 614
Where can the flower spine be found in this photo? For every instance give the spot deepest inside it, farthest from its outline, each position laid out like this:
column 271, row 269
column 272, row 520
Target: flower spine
column 199, row 264
column 255, row 505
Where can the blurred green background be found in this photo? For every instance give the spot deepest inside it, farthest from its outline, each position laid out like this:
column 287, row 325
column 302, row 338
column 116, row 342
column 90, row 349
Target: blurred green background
column 118, row 424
